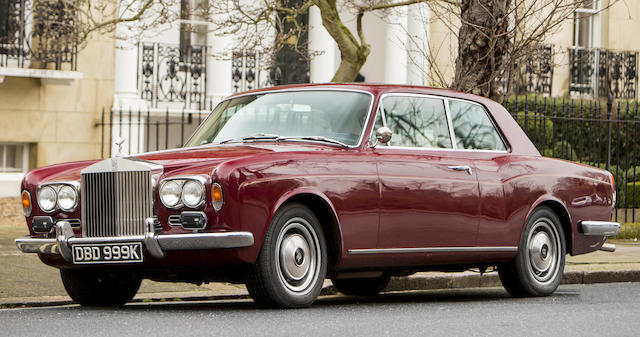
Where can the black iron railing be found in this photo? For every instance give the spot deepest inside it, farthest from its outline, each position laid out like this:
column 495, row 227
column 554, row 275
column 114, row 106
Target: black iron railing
column 536, row 74
column 602, row 72
column 171, row 74
column 251, row 70
column 43, row 31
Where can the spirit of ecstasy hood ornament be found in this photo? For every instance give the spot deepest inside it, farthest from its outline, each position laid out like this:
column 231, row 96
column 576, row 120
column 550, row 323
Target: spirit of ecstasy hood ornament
column 119, row 143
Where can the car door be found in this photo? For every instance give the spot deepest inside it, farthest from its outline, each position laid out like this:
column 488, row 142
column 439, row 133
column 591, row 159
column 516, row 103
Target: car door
column 429, row 192
column 478, row 137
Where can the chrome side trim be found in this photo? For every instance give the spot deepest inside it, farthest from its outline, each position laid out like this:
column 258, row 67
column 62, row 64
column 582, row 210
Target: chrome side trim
column 600, row 228
column 205, row 240
column 432, row 250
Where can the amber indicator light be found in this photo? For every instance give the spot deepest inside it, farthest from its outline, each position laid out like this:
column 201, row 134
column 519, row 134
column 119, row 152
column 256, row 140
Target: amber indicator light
column 216, row 193
column 26, row 200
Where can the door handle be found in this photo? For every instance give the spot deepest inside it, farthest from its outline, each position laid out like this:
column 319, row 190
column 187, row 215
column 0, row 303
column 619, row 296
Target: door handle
column 462, row 168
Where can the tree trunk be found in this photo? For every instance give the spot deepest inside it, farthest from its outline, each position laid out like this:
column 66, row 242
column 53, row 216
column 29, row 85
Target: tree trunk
column 483, row 43
column 353, row 55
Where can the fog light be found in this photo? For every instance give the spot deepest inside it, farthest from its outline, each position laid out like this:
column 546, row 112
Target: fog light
column 193, row 220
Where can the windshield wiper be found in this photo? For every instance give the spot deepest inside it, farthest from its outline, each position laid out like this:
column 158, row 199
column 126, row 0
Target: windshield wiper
column 315, row 138
column 256, row 136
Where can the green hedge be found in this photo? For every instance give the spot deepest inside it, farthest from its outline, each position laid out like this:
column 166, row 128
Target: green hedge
column 629, row 198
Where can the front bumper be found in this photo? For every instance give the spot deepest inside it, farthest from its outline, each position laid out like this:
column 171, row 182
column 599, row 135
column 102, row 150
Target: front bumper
column 600, row 228
column 156, row 245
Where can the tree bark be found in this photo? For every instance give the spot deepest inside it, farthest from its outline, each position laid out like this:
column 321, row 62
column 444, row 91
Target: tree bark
column 483, row 43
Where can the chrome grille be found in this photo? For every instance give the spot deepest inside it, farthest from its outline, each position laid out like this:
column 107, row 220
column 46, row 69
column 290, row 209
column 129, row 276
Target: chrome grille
column 116, row 203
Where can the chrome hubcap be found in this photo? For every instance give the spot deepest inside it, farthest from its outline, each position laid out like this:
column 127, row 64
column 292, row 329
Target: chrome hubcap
column 292, row 252
column 297, row 256
column 543, row 250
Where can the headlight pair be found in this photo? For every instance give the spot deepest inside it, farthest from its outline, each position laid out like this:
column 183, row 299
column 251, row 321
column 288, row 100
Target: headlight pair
column 186, row 191
column 63, row 196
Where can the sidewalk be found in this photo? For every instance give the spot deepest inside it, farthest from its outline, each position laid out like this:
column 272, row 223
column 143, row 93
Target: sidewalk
column 598, row 267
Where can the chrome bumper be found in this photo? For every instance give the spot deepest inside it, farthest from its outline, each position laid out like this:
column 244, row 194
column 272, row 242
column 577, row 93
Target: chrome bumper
column 155, row 244
column 600, row 228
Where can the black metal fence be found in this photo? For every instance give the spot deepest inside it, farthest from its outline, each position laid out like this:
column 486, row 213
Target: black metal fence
column 604, row 134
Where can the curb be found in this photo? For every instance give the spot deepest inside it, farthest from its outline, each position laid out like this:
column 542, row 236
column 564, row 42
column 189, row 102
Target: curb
column 420, row 281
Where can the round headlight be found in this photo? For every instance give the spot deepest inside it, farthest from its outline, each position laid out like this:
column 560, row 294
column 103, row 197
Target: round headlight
column 170, row 193
column 192, row 193
column 47, row 198
column 67, row 198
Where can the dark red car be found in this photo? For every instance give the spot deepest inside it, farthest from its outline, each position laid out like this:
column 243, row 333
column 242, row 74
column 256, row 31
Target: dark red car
column 281, row 188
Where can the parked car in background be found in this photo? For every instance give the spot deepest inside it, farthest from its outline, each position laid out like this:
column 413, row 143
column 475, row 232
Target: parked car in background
column 281, row 188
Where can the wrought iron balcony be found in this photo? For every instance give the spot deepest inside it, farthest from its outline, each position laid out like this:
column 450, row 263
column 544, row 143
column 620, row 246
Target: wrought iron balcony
column 173, row 75
column 42, row 31
column 601, row 72
column 535, row 75
column 251, row 69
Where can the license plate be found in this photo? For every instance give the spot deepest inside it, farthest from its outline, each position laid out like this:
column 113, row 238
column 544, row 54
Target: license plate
column 126, row 252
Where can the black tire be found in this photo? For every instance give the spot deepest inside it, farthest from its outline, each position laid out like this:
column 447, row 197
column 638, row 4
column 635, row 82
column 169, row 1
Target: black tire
column 292, row 264
column 539, row 265
column 100, row 289
column 362, row 286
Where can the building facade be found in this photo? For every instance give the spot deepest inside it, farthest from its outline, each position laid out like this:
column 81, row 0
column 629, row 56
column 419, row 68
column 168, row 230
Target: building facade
column 155, row 87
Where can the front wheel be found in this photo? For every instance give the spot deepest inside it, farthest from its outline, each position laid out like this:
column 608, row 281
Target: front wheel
column 539, row 265
column 292, row 264
column 97, row 288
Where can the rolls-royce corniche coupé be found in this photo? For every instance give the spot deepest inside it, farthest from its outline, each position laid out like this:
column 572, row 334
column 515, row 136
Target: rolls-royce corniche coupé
column 284, row 187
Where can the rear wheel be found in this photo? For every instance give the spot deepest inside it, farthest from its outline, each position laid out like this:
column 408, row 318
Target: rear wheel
column 539, row 265
column 98, row 288
column 362, row 286
column 292, row 264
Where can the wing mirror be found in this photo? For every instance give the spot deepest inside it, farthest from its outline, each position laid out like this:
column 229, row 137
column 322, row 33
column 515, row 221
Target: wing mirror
column 383, row 135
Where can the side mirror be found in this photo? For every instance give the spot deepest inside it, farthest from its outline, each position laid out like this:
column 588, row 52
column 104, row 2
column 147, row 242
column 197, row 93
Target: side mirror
column 383, row 135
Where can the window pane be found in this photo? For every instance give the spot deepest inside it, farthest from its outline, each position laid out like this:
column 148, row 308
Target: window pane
column 417, row 122
column 473, row 128
column 12, row 156
column 584, row 30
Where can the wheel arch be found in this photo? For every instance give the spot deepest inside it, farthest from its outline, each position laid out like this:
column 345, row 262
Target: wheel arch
column 323, row 209
column 561, row 211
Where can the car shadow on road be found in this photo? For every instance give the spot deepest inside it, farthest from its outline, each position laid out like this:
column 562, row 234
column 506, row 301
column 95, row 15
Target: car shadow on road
column 426, row 297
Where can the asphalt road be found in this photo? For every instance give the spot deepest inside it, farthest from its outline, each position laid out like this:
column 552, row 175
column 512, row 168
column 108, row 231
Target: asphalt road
column 576, row 310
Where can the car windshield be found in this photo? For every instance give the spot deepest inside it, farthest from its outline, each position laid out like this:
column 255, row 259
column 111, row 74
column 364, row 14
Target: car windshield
column 330, row 116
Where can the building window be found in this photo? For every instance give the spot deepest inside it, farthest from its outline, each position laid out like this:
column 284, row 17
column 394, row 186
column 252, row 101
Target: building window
column 14, row 158
column 586, row 24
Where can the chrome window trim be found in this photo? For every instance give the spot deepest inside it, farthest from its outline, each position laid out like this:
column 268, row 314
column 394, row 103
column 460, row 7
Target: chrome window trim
column 202, row 180
column 445, row 100
column 74, row 184
column 366, row 123
column 367, row 251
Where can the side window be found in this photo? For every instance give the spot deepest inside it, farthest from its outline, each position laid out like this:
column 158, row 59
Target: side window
column 473, row 128
column 417, row 122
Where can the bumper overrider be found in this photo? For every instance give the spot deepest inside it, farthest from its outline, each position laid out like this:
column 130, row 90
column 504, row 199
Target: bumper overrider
column 155, row 244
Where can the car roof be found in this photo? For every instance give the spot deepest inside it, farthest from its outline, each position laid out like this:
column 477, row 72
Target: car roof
column 370, row 87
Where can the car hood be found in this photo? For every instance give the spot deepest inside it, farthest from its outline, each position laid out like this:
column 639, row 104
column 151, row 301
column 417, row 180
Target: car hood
column 195, row 160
